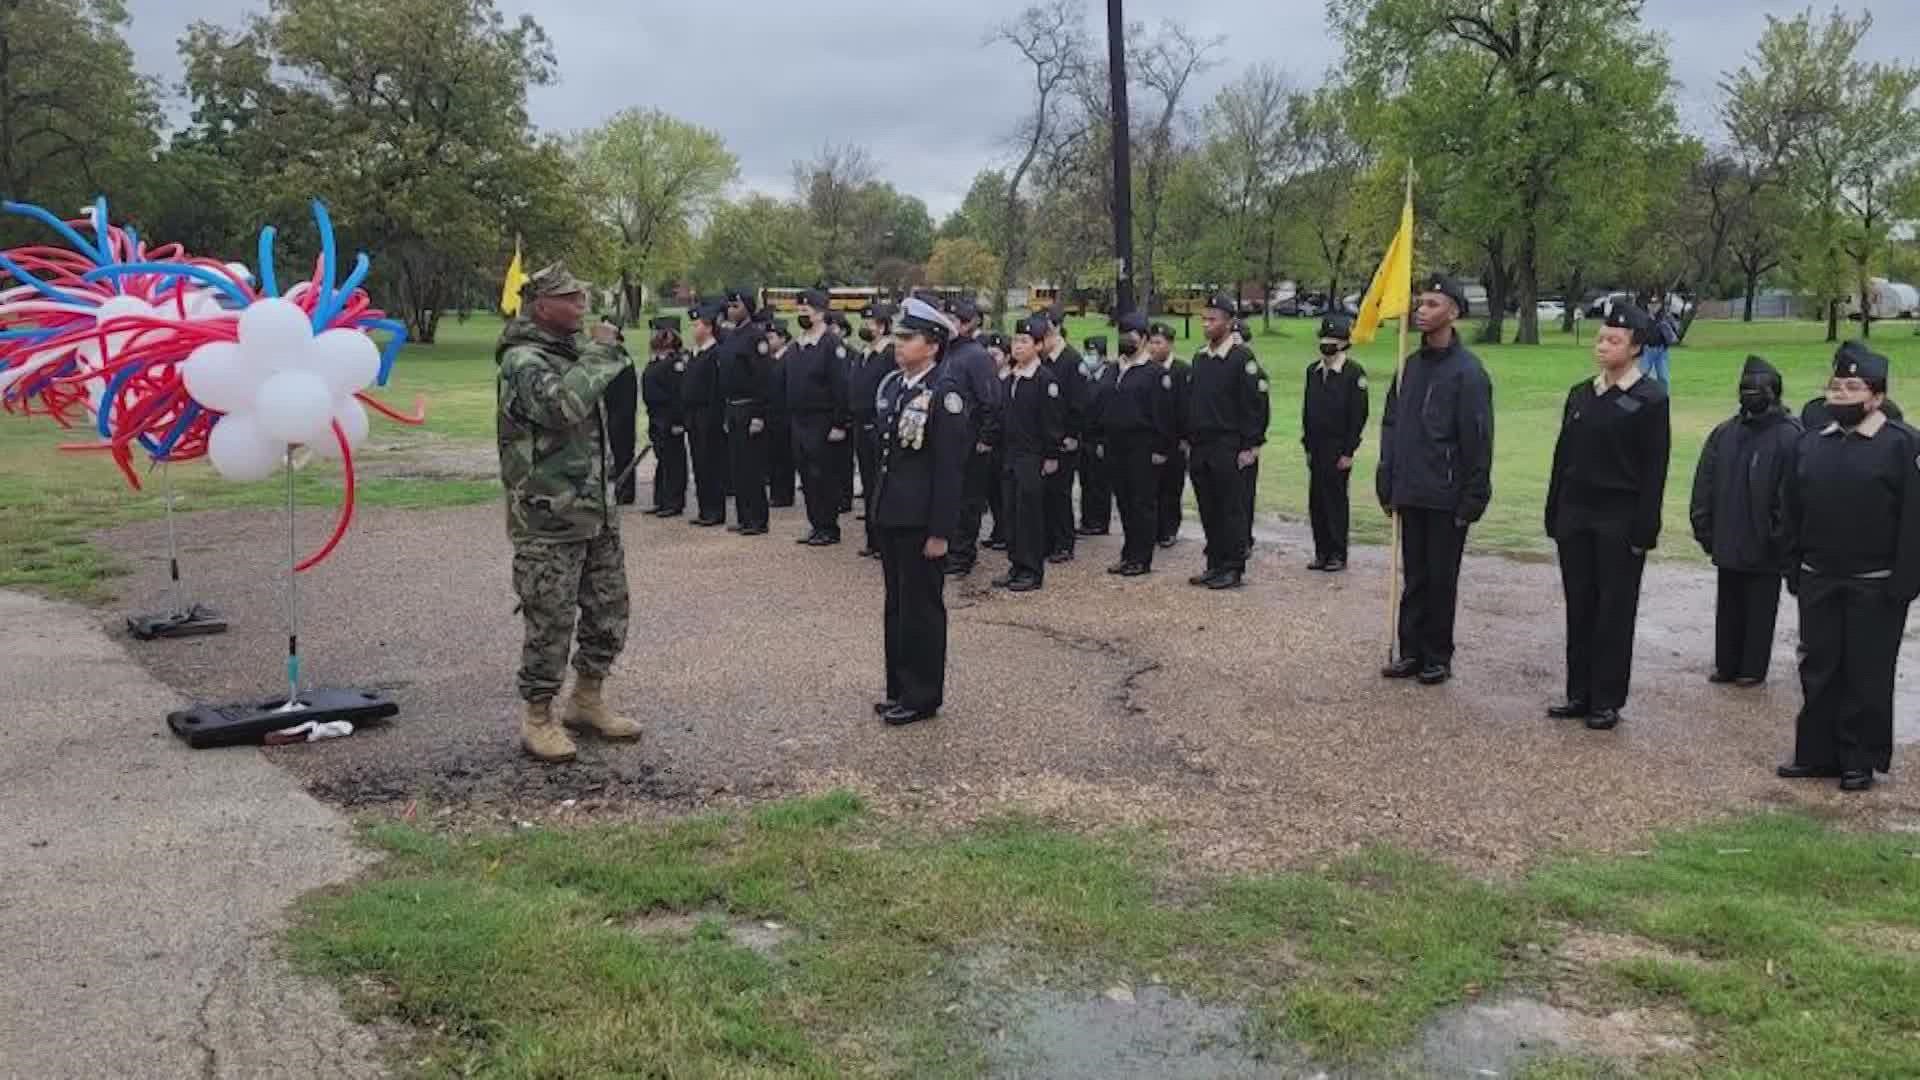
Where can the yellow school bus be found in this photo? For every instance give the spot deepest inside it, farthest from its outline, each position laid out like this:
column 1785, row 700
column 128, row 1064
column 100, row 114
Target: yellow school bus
column 1044, row 297
column 852, row 297
column 781, row 298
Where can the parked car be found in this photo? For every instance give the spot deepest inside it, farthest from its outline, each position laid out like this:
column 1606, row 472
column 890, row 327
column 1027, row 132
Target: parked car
column 1550, row 311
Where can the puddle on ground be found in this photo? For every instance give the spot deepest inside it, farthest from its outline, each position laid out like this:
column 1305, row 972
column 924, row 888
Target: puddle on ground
column 1493, row 1039
column 764, row 938
column 1147, row 1033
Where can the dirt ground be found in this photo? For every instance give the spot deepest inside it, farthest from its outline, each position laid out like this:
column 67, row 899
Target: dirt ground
column 1253, row 725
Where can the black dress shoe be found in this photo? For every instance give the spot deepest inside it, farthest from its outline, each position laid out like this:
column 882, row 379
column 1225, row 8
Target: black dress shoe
column 1024, row 584
column 823, row 540
column 1119, row 567
column 995, row 545
column 1571, row 710
column 1227, row 579
column 1336, row 566
column 707, row 523
column 958, row 569
column 1169, row 541
column 1435, row 674
column 1205, row 579
column 1719, row 678
column 1797, row 771
column 882, row 708
column 754, row 530
column 900, row 715
column 1401, row 669
column 1136, row 570
column 807, row 539
column 1060, row 557
column 1748, row 682
column 1856, row 780
column 1603, row 720
column 1318, row 563
column 1085, row 530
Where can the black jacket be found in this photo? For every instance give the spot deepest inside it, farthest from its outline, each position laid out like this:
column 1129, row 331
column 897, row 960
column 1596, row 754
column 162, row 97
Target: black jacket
column 1226, row 398
column 1097, row 390
column 864, row 376
column 746, row 371
column 1853, row 505
column 1739, row 489
column 1437, row 452
column 1036, row 415
column 1333, row 409
column 1073, row 389
column 700, row 387
column 660, row 390
column 1610, row 461
column 1182, row 377
column 967, row 367
column 921, row 478
column 1140, row 401
column 815, row 380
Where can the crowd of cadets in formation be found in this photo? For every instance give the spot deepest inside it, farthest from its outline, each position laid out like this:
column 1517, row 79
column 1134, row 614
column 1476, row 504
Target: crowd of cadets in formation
column 1828, row 502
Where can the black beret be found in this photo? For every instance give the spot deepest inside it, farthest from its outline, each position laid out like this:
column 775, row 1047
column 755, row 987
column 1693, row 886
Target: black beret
column 1855, row 360
column 1631, row 317
column 1758, row 368
column 1160, row 329
column 742, row 294
column 665, row 322
column 710, row 311
column 779, row 326
column 1133, row 323
column 964, row 309
column 1096, row 344
column 880, row 311
column 1223, row 302
column 996, row 341
column 1449, row 288
column 1337, row 325
column 1036, row 327
column 815, row 299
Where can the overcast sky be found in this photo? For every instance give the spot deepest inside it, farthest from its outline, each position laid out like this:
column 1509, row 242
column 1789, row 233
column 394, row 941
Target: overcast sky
column 923, row 93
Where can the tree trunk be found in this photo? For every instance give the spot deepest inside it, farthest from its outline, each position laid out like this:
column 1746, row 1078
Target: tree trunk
column 1494, row 329
column 1833, row 320
column 1529, row 291
column 1752, row 291
column 1575, row 285
column 1866, row 303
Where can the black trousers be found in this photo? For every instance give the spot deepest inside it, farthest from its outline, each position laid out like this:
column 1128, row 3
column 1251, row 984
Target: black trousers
column 707, row 444
column 1172, row 494
column 819, row 471
column 1217, row 483
column 1023, row 504
column 867, row 451
column 747, row 462
column 623, row 408
column 915, row 620
column 669, row 467
column 1096, row 487
column 1328, row 504
column 842, row 453
column 782, row 459
column 1850, row 633
column 1060, row 536
column 996, row 504
column 975, row 485
column 1600, row 576
column 1745, row 608
column 1136, row 487
column 1249, row 485
column 1431, row 545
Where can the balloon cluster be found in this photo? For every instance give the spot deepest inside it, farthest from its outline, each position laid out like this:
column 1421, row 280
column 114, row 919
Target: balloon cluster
column 185, row 357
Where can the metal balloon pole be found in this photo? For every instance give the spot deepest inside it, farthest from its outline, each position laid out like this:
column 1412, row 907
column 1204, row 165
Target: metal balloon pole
column 181, row 618
column 293, row 602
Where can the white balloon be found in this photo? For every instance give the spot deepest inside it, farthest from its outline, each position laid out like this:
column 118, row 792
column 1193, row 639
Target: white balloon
column 352, row 418
column 275, row 333
column 217, row 375
column 240, row 271
column 347, row 359
column 298, row 289
column 121, row 307
column 204, row 304
column 240, row 451
column 294, row 406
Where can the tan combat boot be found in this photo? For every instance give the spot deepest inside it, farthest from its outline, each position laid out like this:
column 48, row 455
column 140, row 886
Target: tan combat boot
column 543, row 738
column 587, row 710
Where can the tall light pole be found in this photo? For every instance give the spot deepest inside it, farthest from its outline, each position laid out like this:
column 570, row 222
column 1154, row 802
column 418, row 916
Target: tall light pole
column 1122, row 161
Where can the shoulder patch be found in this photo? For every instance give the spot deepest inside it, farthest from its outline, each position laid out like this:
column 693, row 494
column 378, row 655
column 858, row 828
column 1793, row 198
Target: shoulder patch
column 679, row 365
column 1053, row 389
column 841, row 352
column 1361, row 382
column 1253, row 368
column 1166, row 382
column 1263, row 386
column 954, row 403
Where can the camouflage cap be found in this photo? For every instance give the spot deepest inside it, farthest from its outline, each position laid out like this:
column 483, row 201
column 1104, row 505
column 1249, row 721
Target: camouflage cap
column 553, row 280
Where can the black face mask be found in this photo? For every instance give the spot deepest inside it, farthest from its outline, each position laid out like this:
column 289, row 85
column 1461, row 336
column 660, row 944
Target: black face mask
column 806, row 322
column 1328, row 348
column 1848, row 415
column 867, row 333
column 1129, row 346
column 1753, row 402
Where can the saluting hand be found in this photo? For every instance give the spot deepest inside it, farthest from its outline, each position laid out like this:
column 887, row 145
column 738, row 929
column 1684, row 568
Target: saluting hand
column 936, row 548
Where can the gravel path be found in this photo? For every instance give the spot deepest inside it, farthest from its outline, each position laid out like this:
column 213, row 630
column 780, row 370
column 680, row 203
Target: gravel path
column 1253, row 724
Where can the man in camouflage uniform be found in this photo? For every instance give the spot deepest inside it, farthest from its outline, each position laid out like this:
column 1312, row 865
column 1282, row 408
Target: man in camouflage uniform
column 567, row 557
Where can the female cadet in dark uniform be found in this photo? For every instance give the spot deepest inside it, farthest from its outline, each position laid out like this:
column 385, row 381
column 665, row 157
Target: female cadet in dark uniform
column 863, row 384
column 623, row 401
column 926, row 439
column 1035, row 431
column 1333, row 416
column 706, row 417
column 1172, row 492
column 666, row 417
column 1853, row 511
column 1136, row 420
column 997, row 538
column 1603, row 510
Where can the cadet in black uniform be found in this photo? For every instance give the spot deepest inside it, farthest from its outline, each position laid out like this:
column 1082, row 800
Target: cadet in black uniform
column 1064, row 364
column 863, row 385
column 1172, row 492
column 816, row 391
column 666, row 417
column 1096, row 479
column 623, row 420
column 780, row 460
column 1250, row 476
column 997, row 348
column 1035, row 433
column 1603, row 511
column 967, row 367
column 745, row 385
column 1436, row 473
column 1814, row 416
column 706, row 417
column 1739, row 518
column 1333, row 417
column 1136, row 420
column 925, row 440
column 1853, row 510
column 1226, row 410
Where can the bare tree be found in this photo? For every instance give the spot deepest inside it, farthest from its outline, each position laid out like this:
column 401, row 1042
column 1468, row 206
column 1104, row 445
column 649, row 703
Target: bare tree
column 1164, row 68
column 1250, row 160
column 1051, row 38
column 829, row 187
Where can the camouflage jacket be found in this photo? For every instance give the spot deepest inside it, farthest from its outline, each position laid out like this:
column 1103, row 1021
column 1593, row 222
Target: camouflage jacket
column 553, row 444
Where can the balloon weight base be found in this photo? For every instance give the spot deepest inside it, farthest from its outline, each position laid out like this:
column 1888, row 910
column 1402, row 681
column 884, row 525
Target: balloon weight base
column 197, row 621
column 248, row 723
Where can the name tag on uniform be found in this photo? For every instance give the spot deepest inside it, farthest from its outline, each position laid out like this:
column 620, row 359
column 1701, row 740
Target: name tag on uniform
column 1628, row 404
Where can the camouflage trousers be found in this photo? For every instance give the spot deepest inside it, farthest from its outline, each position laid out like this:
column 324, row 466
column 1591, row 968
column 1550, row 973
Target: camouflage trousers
column 583, row 583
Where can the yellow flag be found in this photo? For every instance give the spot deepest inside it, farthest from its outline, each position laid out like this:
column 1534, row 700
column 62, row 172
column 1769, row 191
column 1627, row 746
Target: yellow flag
column 1390, row 295
column 516, row 278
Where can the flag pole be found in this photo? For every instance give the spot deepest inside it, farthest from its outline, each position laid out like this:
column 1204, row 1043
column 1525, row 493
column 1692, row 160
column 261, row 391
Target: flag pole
column 1393, row 551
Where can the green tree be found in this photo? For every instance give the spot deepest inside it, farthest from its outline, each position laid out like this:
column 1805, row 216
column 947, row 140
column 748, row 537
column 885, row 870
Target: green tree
column 652, row 179
column 963, row 262
column 759, row 240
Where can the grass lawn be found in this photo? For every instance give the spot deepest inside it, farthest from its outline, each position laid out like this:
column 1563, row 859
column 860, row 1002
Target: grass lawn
column 553, row 954
column 56, row 499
